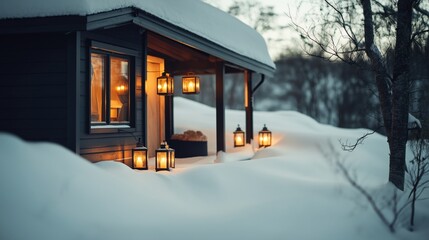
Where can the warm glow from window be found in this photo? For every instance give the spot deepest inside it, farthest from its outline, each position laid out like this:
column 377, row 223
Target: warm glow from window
column 119, row 94
column 115, row 106
column 97, row 88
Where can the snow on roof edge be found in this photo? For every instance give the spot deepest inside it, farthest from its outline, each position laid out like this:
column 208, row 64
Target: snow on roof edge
column 195, row 16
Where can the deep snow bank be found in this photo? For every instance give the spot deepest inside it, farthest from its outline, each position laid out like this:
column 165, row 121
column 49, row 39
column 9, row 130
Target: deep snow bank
column 287, row 191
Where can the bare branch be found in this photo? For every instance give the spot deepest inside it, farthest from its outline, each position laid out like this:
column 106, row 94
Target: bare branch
column 351, row 147
column 390, row 224
column 347, row 28
column 421, row 10
column 416, row 34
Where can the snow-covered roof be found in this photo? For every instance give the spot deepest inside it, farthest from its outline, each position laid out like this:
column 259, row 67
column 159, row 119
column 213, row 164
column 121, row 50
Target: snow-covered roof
column 195, row 16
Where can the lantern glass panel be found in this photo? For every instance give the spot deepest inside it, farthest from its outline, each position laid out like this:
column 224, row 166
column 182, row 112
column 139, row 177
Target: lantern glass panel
column 172, row 158
column 162, row 159
column 239, row 137
column 190, row 85
column 165, row 85
column 139, row 158
column 265, row 137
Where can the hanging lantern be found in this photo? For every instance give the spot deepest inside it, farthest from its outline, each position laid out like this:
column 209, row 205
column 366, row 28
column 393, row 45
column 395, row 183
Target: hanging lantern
column 239, row 137
column 172, row 158
column 139, row 156
column 264, row 137
column 162, row 158
column 190, row 84
column 165, row 84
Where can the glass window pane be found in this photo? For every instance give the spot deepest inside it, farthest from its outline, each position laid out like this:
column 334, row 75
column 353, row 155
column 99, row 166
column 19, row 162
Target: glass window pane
column 97, row 88
column 119, row 90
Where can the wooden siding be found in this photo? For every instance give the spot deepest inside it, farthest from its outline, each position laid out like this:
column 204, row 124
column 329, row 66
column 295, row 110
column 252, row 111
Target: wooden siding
column 33, row 78
column 110, row 146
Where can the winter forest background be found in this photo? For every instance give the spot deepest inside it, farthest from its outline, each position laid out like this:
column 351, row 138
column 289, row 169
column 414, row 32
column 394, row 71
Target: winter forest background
column 332, row 92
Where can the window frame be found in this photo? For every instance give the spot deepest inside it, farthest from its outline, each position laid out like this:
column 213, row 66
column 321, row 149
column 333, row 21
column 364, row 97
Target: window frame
column 109, row 51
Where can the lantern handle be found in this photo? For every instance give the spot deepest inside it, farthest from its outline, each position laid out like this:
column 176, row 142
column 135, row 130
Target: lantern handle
column 139, row 143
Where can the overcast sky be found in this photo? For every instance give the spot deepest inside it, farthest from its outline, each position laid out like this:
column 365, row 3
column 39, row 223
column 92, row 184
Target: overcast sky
column 280, row 40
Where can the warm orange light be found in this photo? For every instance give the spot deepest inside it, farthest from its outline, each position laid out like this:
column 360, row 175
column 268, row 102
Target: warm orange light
column 139, row 161
column 165, row 84
column 239, row 140
column 190, row 84
column 120, row 88
column 239, row 137
column 265, row 137
column 139, row 156
column 163, row 162
column 171, row 156
column 162, row 158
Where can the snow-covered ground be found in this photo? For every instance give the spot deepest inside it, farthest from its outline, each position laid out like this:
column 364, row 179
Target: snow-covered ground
column 288, row 191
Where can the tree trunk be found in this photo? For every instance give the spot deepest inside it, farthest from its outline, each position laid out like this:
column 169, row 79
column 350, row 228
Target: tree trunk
column 394, row 104
column 378, row 67
column 400, row 94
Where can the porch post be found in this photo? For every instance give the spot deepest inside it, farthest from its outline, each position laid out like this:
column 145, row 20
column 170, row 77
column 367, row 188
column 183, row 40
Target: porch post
column 143, row 88
column 248, row 104
column 169, row 117
column 220, row 107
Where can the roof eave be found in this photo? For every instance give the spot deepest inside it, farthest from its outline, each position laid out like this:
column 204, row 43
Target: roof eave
column 150, row 22
column 184, row 36
column 139, row 17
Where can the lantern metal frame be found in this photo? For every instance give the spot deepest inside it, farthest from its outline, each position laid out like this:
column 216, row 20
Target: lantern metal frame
column 168, row 81
column 264, row 137
column 239, row 133
column 172, row 156
column 139, row 149
column 190, row 79
column 167, row 154
column 172, row 160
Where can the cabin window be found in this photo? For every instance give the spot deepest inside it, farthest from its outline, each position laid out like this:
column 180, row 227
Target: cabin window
column 110, row 88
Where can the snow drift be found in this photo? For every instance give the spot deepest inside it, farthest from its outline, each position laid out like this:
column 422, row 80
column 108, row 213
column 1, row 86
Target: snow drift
column 287, row 191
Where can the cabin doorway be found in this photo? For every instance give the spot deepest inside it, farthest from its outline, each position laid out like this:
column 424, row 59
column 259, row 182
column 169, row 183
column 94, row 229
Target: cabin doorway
column 155, row 105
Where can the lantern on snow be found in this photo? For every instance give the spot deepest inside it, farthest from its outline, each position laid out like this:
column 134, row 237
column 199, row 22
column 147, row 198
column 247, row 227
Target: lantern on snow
column 264, row 137
column 239, row 137
column 172, row 158
column 139, row 156
column 162, row 158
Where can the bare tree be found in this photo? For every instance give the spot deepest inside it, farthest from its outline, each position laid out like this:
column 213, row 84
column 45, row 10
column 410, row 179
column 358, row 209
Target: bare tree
column 343, row 35
column 388, row 205
column 418, row 173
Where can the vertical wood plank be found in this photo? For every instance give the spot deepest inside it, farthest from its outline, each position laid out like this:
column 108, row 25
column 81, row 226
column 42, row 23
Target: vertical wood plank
column 73, row 91
column 143, row 86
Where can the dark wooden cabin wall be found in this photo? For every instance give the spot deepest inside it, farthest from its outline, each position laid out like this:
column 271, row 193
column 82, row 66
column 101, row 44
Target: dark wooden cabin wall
column 33, row 86
column 110, row 146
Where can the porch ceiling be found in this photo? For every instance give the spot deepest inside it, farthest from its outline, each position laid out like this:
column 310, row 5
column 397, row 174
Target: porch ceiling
column 183, row 58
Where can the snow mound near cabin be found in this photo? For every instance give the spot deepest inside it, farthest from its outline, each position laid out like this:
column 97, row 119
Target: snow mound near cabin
column 287, row 191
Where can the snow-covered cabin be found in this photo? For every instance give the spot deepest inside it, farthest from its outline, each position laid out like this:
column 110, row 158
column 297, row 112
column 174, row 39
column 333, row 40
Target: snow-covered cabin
column 83, row 73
